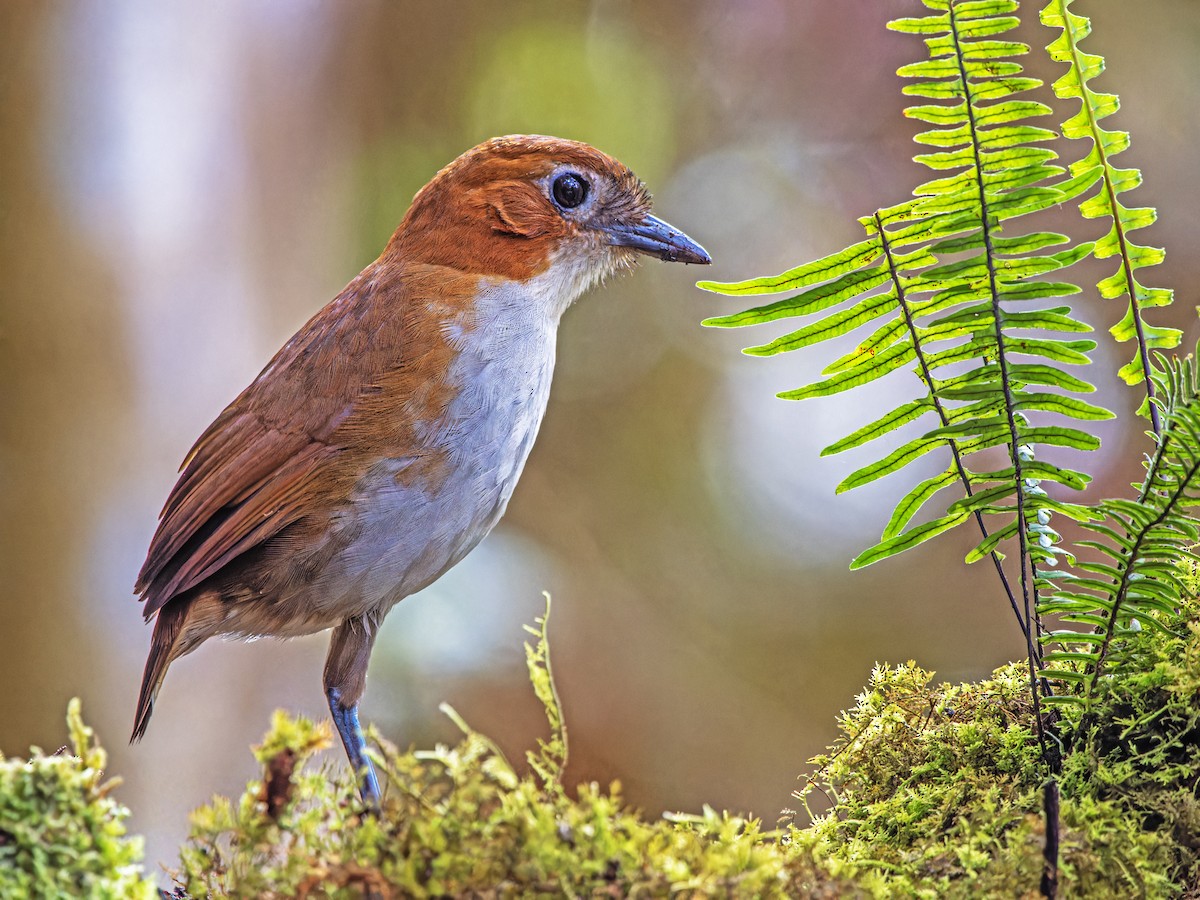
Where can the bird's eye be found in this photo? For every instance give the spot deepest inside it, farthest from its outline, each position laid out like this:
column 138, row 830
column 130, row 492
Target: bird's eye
column 569, row 190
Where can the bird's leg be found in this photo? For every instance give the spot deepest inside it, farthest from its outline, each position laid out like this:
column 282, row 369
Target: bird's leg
column 345, row 719
column 345, row 681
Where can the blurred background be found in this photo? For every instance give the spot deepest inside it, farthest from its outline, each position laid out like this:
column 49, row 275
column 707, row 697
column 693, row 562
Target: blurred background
column 183, row 185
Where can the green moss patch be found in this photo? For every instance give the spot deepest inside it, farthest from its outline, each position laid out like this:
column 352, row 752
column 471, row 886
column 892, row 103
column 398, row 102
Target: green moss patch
column 61, row 833
column 932, row 790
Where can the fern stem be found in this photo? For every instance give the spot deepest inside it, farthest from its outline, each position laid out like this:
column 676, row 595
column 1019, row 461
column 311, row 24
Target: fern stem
column 1047, row 691
column 927, row 377
column 1032, row 622
column 1118, row 225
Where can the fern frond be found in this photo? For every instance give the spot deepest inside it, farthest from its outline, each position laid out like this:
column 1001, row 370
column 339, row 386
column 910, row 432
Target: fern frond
column 1141, row 544
column 941, row 287
column 950, row 296
column 1096, row 168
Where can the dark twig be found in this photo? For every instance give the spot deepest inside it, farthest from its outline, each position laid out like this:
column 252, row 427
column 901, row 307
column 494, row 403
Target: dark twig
column 1050, row 852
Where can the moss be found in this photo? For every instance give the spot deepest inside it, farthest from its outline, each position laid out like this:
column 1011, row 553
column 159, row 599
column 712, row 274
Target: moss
column 1139, row 747
column 937, row 790
column 934, row 790
column 461, row 821
column 61, row 833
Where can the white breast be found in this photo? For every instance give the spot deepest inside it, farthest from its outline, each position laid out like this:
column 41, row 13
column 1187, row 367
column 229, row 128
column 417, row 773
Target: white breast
column 408, row 534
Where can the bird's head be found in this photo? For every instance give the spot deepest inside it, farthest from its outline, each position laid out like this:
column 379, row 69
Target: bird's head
column 523, row 206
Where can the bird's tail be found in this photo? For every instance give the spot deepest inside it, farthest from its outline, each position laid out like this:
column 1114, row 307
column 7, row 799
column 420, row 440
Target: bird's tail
column 167, row 629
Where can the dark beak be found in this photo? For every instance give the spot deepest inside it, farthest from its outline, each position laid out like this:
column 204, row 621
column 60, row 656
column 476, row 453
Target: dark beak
column 658, row 238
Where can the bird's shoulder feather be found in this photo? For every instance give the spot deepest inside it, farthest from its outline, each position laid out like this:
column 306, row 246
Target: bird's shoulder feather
column 294, row 437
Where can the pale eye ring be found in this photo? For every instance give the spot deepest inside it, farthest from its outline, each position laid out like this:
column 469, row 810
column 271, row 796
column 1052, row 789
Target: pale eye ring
column 569, row 190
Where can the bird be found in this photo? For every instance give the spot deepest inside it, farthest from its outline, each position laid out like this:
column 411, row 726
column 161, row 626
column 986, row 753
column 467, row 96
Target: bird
column 383, row 441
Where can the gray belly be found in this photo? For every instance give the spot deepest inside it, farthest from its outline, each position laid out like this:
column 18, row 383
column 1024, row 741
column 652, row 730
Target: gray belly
column 408, row 534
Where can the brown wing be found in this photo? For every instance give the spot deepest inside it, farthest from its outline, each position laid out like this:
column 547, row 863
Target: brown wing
column 246, row 477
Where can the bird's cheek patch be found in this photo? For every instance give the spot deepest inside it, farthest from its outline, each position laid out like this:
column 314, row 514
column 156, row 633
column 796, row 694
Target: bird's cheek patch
column 519, row 209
